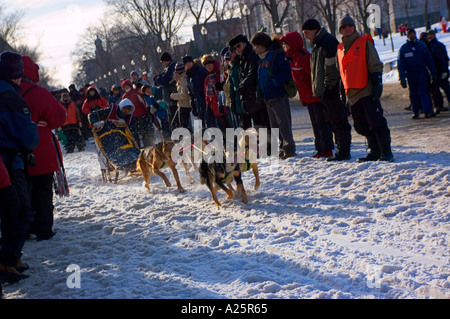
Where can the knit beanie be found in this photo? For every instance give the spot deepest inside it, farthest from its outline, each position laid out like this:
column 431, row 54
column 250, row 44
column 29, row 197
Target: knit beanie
column 346, row 20
column 311, row 24
column 179, row 67
column 187, row 59
column 11, row 65
column 166, row 57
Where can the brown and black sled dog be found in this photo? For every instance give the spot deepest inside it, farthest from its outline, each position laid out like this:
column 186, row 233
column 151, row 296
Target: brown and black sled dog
column 153, row 159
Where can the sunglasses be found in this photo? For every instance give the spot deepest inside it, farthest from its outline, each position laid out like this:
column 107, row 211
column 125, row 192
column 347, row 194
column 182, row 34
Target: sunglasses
column 237, row 46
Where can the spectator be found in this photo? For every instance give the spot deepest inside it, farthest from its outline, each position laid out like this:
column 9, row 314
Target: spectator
column 415, row 63
column 18, row 138
column 167, row 83
column 135, row 78
column 212, row 67
column 94, row 101
column 115, row 95
column 440, row 56
column 299, row 58
column 182, row 97
column 325, row 84
column 433, row 87
column 235, row 99
column 273, row 72
column 195, row 77
column 157, row 108
column 362, row 81
column 252, row 104
column 48, row 114
column 145, row 133
column 71, row 127
column 78, row 98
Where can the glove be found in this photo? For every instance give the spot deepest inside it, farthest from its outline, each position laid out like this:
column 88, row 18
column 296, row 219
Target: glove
column 444, row 75
column 403, row 83
column 98, row 124
column 121, row 121
column 153, row 110
column 218, row 86
column 377, row 81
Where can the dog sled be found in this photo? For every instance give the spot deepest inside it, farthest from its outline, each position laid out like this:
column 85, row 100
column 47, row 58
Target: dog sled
column 117, row 150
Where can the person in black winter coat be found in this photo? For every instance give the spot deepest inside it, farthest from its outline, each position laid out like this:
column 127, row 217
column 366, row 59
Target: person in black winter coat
column 195, row 76
column 439, row 52
column 252, row 103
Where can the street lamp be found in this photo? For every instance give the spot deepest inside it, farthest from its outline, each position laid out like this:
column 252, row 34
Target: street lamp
column 246, row 12
column 204, row 32
column 277, row 27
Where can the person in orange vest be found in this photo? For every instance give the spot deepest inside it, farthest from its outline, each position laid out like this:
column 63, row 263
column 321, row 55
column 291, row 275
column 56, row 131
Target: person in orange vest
column 361, row 73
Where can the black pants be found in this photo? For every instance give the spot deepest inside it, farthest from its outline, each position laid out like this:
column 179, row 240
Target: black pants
column 337, row 116
column 323, row 136
column 14, row 232
column 42, row 202
column 74, row 138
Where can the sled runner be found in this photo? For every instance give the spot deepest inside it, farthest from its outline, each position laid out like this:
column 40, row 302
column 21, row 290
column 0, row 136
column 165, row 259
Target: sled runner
column 118, row 151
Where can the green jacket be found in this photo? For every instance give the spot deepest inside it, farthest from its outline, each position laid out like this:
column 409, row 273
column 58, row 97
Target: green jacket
column 234, row 80
column 324, row 73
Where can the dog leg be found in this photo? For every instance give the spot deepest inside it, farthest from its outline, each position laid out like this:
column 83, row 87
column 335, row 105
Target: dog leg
column 188, row 175
column 145, row 169
column 213, row 190
column 240, row 187
column 220, row 184
column 163, row 176
column 256, row 173
column 177, row 177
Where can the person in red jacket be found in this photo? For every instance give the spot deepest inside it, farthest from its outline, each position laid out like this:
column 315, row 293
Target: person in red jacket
column 94, row 101
column 71, row 127
column 212, row 67
column 48, row 114
column 299, row 58
column 145, row 129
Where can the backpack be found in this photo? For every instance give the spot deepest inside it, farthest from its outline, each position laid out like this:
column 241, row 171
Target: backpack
column 289, row 86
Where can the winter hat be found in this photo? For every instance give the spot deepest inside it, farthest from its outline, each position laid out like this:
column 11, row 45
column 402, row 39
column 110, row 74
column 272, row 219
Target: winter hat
column 227, row 56
column 431, row 32
column 224, row 50
column 237, row 39
column 134, row 73
column 30, row 69
column 411, row 30
column 11, row 65
column 346, row 20
column 179, row 68
column 126, row 103
column 166, row 57
column 311, row 24
column 187, row 59
column 126, row 82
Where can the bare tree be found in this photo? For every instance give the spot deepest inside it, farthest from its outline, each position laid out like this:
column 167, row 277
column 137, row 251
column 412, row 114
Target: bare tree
column 273, row 5
column 162, row 19
column 329, row 10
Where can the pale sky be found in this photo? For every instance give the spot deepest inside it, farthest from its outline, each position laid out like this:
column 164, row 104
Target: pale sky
column 57, row 25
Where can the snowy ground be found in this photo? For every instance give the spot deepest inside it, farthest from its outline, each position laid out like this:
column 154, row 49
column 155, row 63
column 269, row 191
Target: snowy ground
column 313, row 229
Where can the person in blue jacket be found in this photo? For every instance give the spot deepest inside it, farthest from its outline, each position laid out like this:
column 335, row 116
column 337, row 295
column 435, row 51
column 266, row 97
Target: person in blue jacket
column 415, row 63
column 273, row 72
column 18, row 138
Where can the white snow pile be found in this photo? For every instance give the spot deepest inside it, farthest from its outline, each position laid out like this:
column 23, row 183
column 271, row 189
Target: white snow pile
column 313, row 230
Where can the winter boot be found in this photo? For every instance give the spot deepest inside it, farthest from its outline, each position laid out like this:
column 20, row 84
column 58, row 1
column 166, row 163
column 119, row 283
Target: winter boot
column 10, row 274
column 321, row 154
column 384, row 140
column 374, row 150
